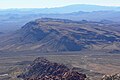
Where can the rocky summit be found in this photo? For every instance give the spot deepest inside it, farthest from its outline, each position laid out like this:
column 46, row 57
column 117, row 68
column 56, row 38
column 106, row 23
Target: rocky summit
column 42, row 69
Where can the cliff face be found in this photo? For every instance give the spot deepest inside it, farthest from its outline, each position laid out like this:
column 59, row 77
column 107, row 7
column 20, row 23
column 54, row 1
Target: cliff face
column 42, row 69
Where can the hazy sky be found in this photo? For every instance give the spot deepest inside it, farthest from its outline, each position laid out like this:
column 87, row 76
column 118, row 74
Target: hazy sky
column 53, row 3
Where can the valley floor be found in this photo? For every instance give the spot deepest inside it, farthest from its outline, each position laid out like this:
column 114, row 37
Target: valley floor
column 94, row 65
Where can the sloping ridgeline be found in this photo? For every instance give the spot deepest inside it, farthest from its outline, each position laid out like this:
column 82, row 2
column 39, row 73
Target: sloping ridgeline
column 55, row 35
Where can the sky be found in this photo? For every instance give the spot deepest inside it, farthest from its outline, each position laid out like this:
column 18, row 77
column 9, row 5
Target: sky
column 5, row 4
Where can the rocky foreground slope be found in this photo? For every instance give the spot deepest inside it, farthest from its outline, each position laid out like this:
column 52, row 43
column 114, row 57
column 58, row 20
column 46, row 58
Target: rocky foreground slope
column 42, row 69
column 111, row 77
column 48, row 35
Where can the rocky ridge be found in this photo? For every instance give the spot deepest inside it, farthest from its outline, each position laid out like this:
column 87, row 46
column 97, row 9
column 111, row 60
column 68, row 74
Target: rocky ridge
column 111, row 77
column 42, row 69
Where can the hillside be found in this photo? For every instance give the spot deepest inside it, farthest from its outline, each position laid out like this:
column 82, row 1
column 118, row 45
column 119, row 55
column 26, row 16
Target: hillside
column 55, row 35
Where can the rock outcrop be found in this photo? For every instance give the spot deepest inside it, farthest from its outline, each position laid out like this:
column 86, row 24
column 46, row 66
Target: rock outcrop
column 42, row 69
column 111, row 77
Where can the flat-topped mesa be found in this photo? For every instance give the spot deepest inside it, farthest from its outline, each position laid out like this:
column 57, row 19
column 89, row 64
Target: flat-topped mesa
column 46, row 23
column 56, row 35
column 53, row 20
column 42, row 69
column 60, row 20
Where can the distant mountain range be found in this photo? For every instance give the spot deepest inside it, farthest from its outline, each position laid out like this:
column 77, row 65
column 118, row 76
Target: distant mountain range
column 66, row 9
column 16, row 18
column 56, row 35
column 13, row 21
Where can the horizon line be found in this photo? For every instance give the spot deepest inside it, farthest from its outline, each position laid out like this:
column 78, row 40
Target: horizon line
column 56, row 6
